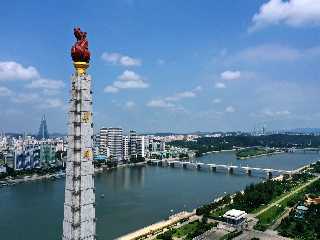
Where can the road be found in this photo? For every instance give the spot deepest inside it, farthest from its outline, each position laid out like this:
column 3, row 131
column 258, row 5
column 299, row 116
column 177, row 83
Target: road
column 286, row 196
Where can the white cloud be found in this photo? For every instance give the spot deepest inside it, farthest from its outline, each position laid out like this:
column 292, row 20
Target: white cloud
column 167, row 102
column 130, row 104
column 161, row 61
column 26, row 98
column 271, row 52
column 5, row 92
column 46, row 84
column 128, row 75
column 230, row 75
column 217, row 100
column 15, row 71
column 219, row 85
column 160, row 104
column 230, row 109
column 269, row 113
column 181, row 95
column 295, row 13
column 127, row 80
column 111, row 89
column 119, row 59
column 51, row 103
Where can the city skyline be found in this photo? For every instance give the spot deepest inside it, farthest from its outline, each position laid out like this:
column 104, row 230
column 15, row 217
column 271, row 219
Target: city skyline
column 209, row 67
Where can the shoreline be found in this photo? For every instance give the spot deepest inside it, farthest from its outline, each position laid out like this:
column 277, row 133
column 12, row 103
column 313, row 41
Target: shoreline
column 57, row 175
column 158, row 226
column 259, row 155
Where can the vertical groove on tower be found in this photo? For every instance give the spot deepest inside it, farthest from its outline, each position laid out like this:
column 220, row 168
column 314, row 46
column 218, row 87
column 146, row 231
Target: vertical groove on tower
column 79, row 207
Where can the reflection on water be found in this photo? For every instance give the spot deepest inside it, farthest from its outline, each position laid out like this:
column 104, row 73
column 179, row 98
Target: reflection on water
column 122, row 178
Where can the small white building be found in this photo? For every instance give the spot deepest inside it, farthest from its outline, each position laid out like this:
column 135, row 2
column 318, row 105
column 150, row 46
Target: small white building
column 235, row 218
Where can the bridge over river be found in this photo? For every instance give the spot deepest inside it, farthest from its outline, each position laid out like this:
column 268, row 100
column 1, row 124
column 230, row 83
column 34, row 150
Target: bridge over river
column 224, row 167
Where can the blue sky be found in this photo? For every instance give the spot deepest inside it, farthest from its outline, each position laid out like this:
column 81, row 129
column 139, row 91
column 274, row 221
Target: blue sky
column 164, row 65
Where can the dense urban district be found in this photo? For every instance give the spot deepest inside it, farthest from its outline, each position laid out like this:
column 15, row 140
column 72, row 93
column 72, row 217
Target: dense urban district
column 286, row 206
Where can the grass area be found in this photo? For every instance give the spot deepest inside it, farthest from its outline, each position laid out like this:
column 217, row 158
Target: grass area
column 270, row 216
column 187, row 231
column 251, row 152
column 219, row 212
column 307, row 226
column 231, row 235
column 277, row 199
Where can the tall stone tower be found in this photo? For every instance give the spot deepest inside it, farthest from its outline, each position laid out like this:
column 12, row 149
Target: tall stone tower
column 79, row 206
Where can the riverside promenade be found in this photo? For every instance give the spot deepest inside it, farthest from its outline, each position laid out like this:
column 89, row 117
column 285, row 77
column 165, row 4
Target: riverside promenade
column 157, row 227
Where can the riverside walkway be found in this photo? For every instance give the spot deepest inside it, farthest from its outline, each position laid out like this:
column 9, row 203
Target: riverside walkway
column 157, row 227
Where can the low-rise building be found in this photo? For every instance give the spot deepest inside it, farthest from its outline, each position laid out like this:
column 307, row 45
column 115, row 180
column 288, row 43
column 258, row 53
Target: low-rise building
column 234, row 219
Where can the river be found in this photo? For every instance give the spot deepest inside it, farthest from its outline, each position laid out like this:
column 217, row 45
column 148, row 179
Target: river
column 133, row 197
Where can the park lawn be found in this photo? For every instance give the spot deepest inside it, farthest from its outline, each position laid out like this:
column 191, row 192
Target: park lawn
column 184, row 230
column 285, row 201
column 219, row 212
column 270, row 216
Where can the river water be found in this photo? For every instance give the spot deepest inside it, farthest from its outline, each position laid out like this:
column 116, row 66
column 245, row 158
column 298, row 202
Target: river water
column 134, row 197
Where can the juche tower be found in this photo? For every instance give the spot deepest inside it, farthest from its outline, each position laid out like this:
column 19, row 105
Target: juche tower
column 79, row 205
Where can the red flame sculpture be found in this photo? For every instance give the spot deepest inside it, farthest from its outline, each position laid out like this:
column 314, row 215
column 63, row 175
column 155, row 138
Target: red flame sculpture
column 80, row 51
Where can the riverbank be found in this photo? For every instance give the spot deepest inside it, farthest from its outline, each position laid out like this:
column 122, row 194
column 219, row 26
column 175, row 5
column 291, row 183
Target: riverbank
column 9, row 181
column 152, row 231
column 260, row 155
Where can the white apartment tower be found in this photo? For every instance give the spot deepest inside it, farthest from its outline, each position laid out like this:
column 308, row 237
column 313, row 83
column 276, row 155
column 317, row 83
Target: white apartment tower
column 115, row 143
column 125, row 146
column 141, row 146
column 132, row 144
column 103, row 141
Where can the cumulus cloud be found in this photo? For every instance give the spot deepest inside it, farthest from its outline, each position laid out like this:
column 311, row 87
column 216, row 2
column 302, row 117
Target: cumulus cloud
column 130, row 104
column 170, row 101
column 161, row 61
column 160, row 104
column 51, row 103
column 271, row 52
column 15, row 71
column 26, row 98
column 295, row 13
column 230, row 109
column 230, row 75
column 217, row 100
column 5, row 92
column 181, row 95
column 267, row 113
column 219, row 85
column 119, row 59
column 111, row 89
column 46, row 84
column 127, row 80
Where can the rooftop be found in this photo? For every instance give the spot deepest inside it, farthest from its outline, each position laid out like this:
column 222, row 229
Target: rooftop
column 235, row 214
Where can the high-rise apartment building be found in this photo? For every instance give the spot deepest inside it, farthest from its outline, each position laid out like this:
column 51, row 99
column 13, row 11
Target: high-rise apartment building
column 115, row 143
column 103, row 141
column 132, row 144
column 141, row 146
column 125, row 147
